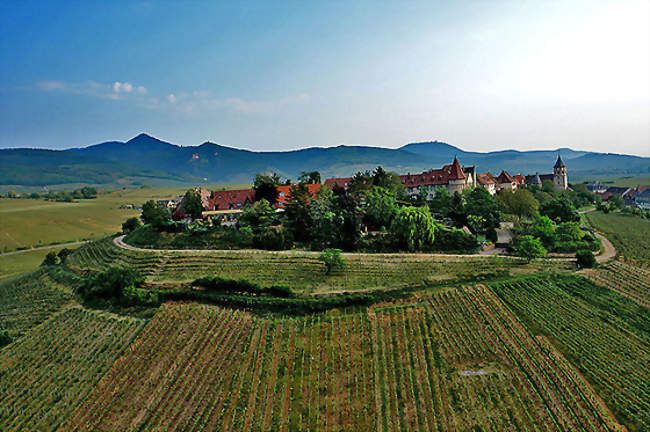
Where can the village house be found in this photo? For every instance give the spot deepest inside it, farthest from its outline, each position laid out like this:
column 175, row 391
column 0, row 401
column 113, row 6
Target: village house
column 487, row 181
column 453, row 177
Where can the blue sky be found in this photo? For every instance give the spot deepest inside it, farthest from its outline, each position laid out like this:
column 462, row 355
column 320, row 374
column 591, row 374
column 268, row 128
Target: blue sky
column 285, row 75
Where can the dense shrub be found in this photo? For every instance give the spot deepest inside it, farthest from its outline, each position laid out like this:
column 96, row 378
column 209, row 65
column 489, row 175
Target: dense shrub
column 585, row 259
column 332, row 259
column 5, row 339
column 111, row 283
column 273, row 238
column 50, row 259
column 131, row 224
column 242, row 286
column 454, row 240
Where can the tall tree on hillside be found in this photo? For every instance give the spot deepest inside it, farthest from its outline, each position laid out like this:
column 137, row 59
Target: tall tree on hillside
column 413, row 228
column 154, row 214
column 296, row 212
column 192, row 203
column 266, row 187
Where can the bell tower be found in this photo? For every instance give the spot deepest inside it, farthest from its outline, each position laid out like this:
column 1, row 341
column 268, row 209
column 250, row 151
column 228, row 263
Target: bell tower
column 560, row 178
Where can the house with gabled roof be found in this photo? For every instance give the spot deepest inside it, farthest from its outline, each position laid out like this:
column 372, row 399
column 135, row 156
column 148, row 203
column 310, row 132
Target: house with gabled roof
column 454, row 177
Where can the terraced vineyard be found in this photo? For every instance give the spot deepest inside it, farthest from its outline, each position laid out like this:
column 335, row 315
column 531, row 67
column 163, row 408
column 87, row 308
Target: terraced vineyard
column 440, row 364
column 103, row 253
column 46, row 373
column 30, row 300
column 302, row 270
column 630, row 281
column 604, row 334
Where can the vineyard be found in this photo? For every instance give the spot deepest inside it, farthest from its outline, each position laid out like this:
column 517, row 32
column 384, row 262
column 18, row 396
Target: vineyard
column 629, row 234
column 302, row 270
column 630, row 281
column 605, row 335
column 454, row 360
column 45, row 374
column 29, row 300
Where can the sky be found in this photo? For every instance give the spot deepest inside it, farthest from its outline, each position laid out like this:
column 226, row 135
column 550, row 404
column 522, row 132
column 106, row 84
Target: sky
column 480, row 75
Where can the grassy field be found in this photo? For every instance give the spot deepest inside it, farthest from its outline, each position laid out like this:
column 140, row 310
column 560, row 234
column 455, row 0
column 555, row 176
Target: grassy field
column 14, row 265
column 629, row 234
column 30, row 223
column 630, row 281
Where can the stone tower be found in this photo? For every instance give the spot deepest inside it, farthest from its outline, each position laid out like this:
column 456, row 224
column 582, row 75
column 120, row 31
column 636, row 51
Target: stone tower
column 560, row 178
column 457, row 180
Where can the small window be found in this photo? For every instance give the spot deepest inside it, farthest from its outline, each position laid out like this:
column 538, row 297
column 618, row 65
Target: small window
column 282, row 194
column 238, row 204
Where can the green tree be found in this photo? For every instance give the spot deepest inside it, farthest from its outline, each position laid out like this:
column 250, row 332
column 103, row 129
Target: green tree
column 560, row 210
column 569, row 232
column 63, row 254
column 616, row 202
column 380, row 207
column 530, row 248
column 521, row 203
column 480, row 203
column 413, row 228
column 441, row 203
column 266, row 187
column 332, row 259
column 309, row 177
column 585, row 259
column 50, row 259
column 360, row 183
column 258, row 216
column 154, row 215
column 389, row 181
column 130, row 224
column 325, row 222
column 544, row 229
column 296, row 212
column 192, row 203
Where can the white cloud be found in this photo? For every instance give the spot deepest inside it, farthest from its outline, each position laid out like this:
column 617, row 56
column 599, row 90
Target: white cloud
column 50, row 85
column 171, row 98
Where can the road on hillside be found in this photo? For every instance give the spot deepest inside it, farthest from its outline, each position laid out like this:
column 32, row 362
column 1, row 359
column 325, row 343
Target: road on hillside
column 44, row 247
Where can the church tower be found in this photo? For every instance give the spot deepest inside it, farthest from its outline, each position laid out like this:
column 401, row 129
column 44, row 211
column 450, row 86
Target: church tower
column 560, row 178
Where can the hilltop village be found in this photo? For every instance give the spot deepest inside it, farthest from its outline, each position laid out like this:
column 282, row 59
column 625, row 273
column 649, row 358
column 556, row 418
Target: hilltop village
column 453, row 177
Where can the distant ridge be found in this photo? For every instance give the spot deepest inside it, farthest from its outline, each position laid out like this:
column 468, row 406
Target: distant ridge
column 146, row 159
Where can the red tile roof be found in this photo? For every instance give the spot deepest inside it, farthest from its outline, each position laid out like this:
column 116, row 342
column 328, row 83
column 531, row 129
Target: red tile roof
column 519, row 178
column 437, row 177
column 485, row 179
column 284, row 192
column 504, row 177
column 230, row 199
column 338, row 182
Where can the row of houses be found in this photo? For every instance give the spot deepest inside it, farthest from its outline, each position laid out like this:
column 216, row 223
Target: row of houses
column 455, row 178
column 632, row 197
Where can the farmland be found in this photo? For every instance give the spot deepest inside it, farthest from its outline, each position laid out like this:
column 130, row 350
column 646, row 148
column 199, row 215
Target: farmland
column 606, row 336
column 477, row 343
column 630, row 281
column 438, row 364
column 302, row 270
column 46, row 373
column 628, row 233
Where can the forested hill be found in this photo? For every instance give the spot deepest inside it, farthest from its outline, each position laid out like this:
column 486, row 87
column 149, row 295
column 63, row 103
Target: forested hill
column 145, row 159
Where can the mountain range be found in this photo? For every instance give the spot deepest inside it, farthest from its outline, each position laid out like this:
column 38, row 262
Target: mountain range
column 145, row 159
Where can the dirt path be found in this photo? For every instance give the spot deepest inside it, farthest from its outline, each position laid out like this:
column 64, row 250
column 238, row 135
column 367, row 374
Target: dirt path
column 45, row 247
column 609, row 251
